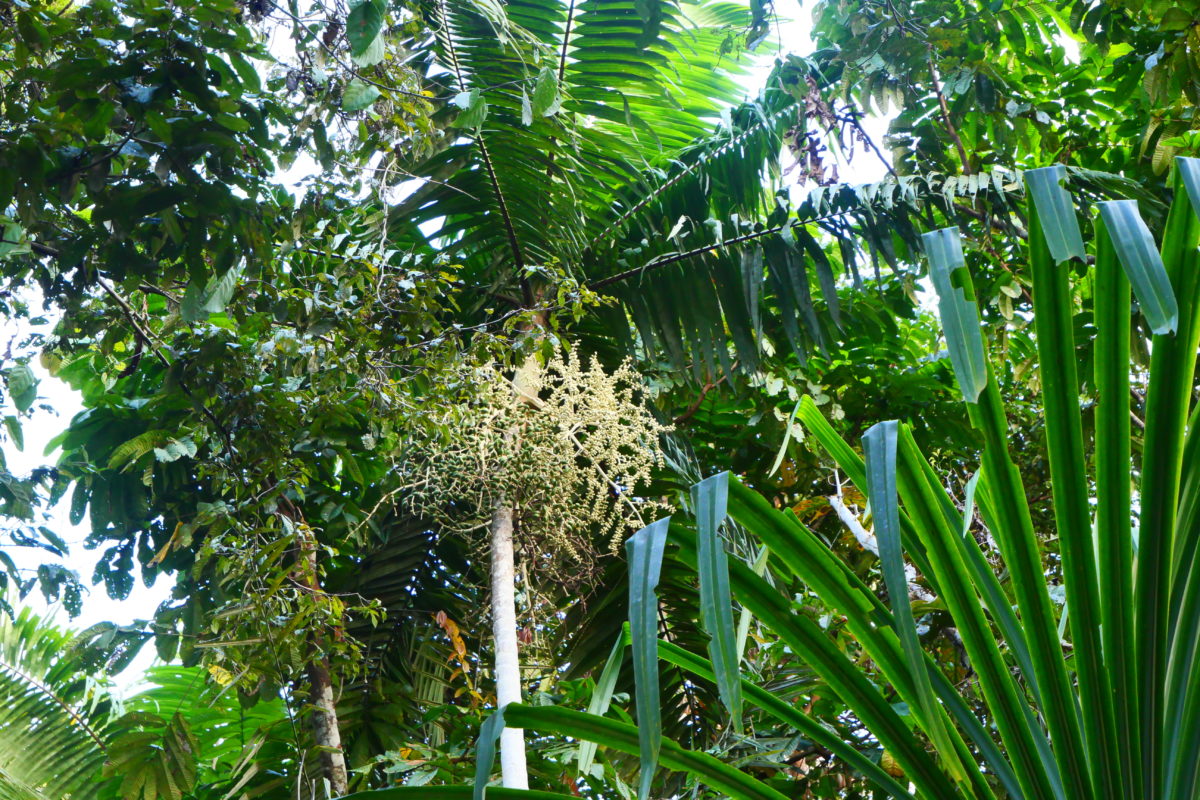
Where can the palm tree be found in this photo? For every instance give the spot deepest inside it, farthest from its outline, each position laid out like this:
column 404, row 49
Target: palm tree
column 54, row 721
column 64, row 734
column 583, row 156
column 1109, row 712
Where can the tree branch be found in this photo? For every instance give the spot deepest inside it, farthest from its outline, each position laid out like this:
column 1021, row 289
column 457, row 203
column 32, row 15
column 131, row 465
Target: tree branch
column 154, row 346
column 950, row 129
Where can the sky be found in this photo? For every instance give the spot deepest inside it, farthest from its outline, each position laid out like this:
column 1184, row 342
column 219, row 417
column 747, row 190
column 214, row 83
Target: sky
column 57, row 403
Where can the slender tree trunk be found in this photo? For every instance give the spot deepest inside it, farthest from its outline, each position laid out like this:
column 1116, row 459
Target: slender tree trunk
column 325, row 728
column 504, row 634
column 326, row 734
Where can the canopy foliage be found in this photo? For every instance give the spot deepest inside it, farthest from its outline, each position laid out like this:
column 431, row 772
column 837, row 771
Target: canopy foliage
column 272, row 246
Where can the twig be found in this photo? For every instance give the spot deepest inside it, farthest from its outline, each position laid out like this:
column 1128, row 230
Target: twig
column 694, row 407
column 937, row 90
column 871, row 544
column 865, row 137
column 155, row 346
column 343, row 64
column 999, row 223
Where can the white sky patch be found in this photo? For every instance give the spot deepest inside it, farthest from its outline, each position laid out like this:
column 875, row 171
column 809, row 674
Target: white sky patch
column 57, row 403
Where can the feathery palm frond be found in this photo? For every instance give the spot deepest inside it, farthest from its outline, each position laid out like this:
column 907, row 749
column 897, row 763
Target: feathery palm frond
column 53, row 719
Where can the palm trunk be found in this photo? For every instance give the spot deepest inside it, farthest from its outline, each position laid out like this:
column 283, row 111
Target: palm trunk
column 325, row 728
column 504, row 635
column 326, row 734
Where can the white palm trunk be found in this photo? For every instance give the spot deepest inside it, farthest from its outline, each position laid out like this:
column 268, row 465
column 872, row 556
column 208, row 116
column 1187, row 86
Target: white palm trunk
column 513, row 773
column 325, row 728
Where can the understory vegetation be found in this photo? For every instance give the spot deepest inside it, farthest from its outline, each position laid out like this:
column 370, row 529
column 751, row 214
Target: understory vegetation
column 587, row 398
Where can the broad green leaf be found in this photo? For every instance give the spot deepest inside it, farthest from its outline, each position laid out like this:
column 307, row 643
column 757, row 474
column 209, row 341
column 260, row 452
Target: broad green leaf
column 175, row 449
column 1056, row 212
column 790, row 715
column 219, row 291
column 602, row 694
column 191, row 308
column 1143, row 265
column 725, row 780
column 376, row 51
column 879, row 447
column 359, row 95
column 546, row 98
column 526, row 109
column 198, row 303
column 645, row 551
column 130, row 451
column 232, row 122
column 960, row 318
column 12, row 239
column 22, row 386
column 710, row 497
column 246, row 72
column 485, row 751
column 13, row 426
column 474, row 109
column 363, row 24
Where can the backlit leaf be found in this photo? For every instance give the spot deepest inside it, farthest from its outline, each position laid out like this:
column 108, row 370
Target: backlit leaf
column 960, row 318
column 1143, row 265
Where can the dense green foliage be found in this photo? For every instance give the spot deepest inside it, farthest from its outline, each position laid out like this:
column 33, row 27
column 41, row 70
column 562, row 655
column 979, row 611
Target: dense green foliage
column 266, row 363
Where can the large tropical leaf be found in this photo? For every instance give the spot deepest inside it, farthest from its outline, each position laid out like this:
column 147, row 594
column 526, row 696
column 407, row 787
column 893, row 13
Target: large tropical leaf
column 53, row 721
